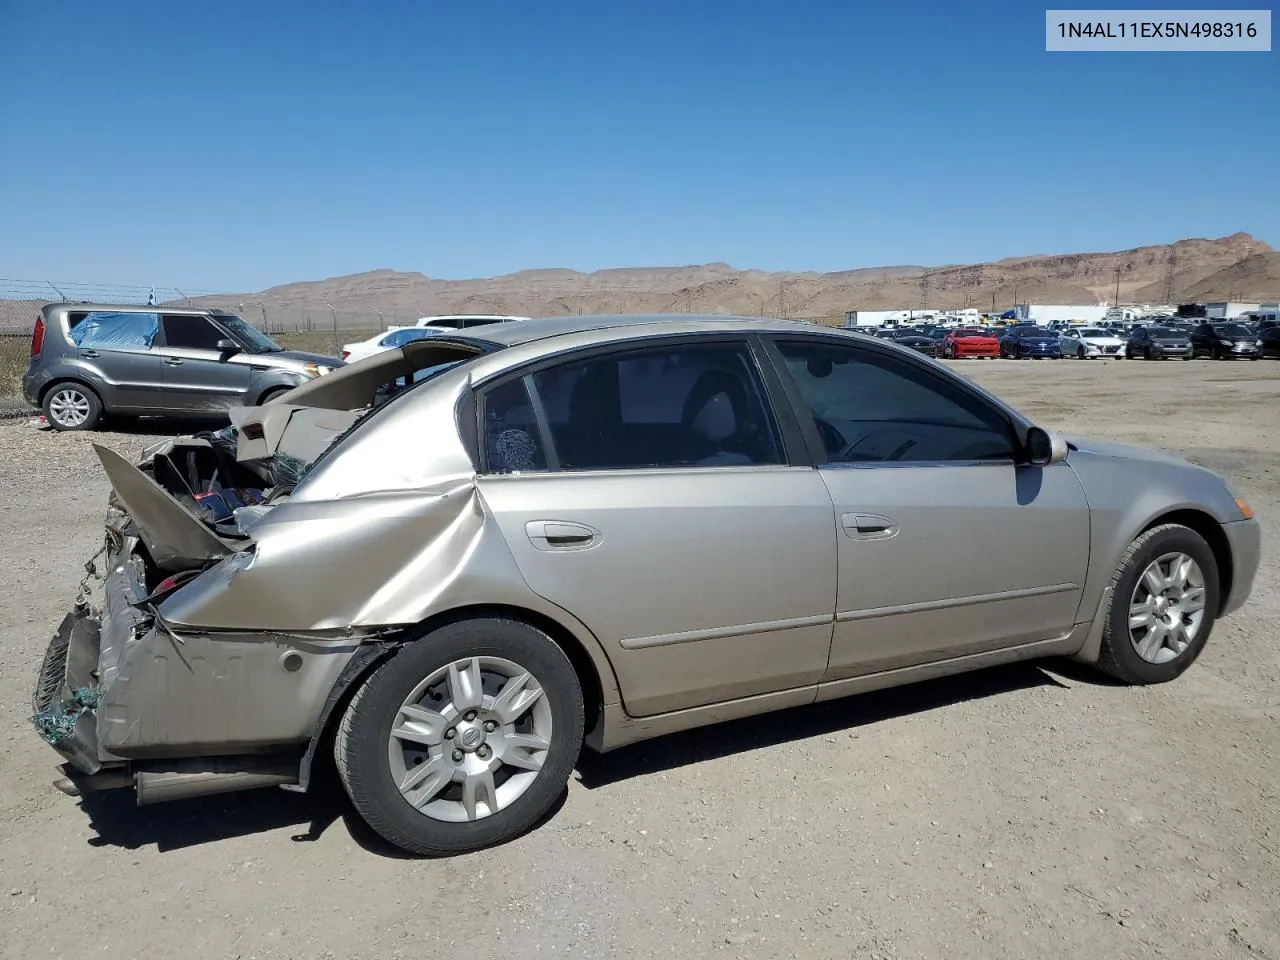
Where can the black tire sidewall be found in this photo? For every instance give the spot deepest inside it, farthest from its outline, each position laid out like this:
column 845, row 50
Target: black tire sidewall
column 1175, row 539
column 368, row 775
column 272, row 394
column 95, row 405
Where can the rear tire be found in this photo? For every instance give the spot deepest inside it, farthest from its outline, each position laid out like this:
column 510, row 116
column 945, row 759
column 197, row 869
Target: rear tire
column 448, row 819
column 1120, row 656
column 71, row 406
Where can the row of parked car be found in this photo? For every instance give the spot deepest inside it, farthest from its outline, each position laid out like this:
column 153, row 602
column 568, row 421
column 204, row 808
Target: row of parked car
column 1217, row 340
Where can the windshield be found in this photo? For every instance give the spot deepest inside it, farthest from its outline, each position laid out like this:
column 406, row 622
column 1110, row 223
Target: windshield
column 1233, row 330
column 970, row 333
column 1034, row 332
column 1092, row 332
column 253, row 339
column 1164, row 332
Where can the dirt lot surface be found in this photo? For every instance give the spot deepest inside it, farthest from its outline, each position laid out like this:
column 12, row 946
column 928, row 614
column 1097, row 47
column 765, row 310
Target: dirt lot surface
column 1027, row 811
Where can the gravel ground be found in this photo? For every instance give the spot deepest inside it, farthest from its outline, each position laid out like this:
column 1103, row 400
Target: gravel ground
column 1029, row 810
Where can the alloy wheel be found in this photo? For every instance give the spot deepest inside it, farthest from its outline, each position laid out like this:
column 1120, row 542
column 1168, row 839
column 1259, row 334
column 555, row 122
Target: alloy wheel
column 470, row 739
column 69, row 407
column 1167, row 608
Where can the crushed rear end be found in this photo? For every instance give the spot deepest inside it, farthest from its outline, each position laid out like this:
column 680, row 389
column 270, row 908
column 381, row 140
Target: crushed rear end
column 129, row 698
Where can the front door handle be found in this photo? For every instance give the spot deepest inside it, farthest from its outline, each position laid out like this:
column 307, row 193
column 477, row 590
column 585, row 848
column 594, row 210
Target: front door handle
column 90, row 354
column 561, row 535
column 868, row 526
column 173, row 361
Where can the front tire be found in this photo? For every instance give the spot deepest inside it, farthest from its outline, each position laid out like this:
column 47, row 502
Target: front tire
column 1163, row 606
column 272, row 394
column 72, row 406
column 464, row 738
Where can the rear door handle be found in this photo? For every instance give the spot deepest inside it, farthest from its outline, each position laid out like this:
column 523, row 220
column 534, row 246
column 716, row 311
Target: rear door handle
column 90, row 354
column 173, row 361
column 868, row 526
column 561, row 535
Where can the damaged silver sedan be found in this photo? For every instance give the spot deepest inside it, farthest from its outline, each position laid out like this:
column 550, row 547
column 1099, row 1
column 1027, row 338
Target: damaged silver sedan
column 454, row 563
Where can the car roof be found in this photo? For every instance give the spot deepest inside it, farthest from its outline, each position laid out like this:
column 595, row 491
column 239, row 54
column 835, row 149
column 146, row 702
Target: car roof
column 89, row 307
column 610, row 326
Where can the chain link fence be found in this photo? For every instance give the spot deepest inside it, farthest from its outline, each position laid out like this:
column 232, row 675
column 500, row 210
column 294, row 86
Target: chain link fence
column 21, row 300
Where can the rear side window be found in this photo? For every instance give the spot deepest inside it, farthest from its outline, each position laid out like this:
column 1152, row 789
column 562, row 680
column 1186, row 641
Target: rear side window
column 398, row 338
column 678, row 405
column 512, row 443
column 106, row 330
column 191, row 332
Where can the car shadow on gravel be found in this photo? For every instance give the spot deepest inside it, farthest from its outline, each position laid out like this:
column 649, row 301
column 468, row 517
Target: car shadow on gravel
column 799, row 723
column 119, row 822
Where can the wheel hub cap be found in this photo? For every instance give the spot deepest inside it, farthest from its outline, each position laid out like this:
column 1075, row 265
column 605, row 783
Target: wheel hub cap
column 69, row 407
column 470, row 739
column 1167, row 608
column 470, row 736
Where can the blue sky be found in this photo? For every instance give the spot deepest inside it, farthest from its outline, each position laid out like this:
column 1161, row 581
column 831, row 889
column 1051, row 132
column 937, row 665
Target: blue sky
column 235, row 145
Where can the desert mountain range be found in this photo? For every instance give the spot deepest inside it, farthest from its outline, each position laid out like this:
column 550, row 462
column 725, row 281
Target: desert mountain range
column 1236, row 267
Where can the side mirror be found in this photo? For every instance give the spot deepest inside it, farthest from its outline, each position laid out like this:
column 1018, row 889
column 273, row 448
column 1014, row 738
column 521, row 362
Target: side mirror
column 1044, row 448
column 227, row 347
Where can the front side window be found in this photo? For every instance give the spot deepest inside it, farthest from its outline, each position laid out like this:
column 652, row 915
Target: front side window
column 108, row 330
column 679, row 405
column 191, row 332
column 869, row 408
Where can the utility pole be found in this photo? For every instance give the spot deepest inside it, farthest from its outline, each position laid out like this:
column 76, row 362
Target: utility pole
column 782, row 299
column 1117, row 303
column 1168, row 277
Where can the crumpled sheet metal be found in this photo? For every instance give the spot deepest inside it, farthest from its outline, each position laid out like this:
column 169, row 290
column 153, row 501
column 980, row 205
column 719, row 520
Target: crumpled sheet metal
column 378, row 559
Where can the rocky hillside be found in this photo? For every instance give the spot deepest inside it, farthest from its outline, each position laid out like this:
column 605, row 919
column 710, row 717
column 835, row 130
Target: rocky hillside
column 719, row 288
column 1256, row 277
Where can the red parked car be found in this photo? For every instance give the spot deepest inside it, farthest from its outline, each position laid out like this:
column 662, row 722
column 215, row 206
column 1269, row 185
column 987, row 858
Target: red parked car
column 961, row 344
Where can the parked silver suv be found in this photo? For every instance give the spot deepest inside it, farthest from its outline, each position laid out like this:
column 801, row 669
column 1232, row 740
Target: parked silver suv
column 90, row 359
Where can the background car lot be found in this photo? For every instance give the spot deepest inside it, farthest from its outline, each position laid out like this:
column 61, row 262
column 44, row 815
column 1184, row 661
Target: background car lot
column 1017, row 811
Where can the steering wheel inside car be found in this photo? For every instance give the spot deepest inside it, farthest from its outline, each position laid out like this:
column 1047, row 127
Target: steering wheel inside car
column 841, row 450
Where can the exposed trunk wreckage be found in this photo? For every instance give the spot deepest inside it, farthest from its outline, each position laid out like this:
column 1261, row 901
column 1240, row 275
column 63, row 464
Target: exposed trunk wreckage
column 130, row 693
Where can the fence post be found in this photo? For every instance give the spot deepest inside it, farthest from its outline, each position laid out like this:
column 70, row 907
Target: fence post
column 336, row 345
